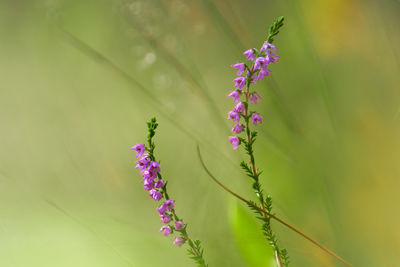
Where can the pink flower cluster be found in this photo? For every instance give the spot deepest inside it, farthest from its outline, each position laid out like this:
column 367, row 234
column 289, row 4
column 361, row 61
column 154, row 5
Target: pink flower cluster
column 257, row 70
column 150, row 171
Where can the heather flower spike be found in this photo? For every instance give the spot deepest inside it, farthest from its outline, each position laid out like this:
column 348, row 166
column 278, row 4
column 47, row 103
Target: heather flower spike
column 153, row 182
column 241, row 114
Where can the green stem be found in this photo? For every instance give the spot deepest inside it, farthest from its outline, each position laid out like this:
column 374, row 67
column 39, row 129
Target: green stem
column 257, row 186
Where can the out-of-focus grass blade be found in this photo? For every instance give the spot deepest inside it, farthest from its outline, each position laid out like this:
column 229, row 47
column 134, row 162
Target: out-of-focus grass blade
column 199, row 87
column 221, row 24
column 155, row 102
column 252, row 245
column 283, row 107
column 323, row 85
column 100, row 237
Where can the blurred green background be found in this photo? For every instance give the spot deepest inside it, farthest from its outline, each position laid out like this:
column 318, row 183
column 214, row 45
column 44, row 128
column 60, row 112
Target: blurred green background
column 79, row 79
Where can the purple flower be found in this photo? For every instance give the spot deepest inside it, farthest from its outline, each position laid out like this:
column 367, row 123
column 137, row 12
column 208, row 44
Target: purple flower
column 267, row 46
column 234, row 141
column 165, row 218
column 170, row 205
column 159, row 184
column 240, row 82
column 166, row 230
column 240, row 67
column 250, row 54
column 162, row 209
column 261, row 63
column 262, row 74
column 148, row 184
column 139, row 148
column 143, row 163
column 256, row 118
column 156, row 195
column 235, row 95
column 149, row 174
column 238, row 128
column 271, row 58
column 154, row 167
column 179, row 225
column 274, row 58
column 239, row 108
column 254, row 98
column 234, row 116
column 178, row 241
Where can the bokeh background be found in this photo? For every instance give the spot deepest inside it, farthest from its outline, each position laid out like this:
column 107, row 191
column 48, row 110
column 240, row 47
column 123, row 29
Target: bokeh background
column 79, row 80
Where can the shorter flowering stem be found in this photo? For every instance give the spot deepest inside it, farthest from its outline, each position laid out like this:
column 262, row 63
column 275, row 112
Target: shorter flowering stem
column 157, row 187
column 266, row 213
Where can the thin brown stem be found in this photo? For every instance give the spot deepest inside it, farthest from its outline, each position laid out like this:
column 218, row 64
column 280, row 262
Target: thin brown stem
column 326, row 250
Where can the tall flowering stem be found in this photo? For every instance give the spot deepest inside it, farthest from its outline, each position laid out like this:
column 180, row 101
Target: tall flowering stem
column 153, row 182
column 255, row 71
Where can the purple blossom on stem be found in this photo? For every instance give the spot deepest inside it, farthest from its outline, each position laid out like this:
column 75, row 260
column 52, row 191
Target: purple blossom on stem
column 255, row 118
column 179, row 225
column 166, row 230
column 267, row 46
column 148, row 184
column 142, row 163
column 159, row 184
column 250, row 54
column 271, row 58
column 240, row 82
column 178, row 241
column 240, row 66
column 234, row 141
column 139, row 148
column 261, row 75
column 162, row 209
column 149, row 174
column 239, row 108
column 235, row 95
column 170, row 205
column 261, row 63
column 234, row 116
column 165, row 218
column 155, row 194
column 238, row 128
column 155, row 167
column 254, row 98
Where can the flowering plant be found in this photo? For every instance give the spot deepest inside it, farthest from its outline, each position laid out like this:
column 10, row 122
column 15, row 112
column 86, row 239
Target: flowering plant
column 153, row 182
column 255, row 71
column 250, row 73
